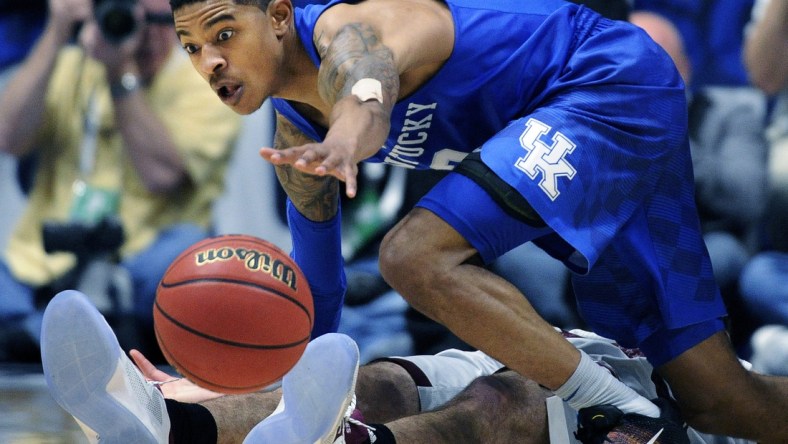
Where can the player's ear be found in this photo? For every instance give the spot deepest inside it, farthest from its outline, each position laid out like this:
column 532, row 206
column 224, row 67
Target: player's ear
column 281, row 15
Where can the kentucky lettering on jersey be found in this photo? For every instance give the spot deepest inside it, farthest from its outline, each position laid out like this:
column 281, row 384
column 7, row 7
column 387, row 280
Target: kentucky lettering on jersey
column 412, row 137
column 483, row 96
column 462, row 105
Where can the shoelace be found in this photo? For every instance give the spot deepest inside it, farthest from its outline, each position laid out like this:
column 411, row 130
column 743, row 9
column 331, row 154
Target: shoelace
column 349, row 419
column 158, row 383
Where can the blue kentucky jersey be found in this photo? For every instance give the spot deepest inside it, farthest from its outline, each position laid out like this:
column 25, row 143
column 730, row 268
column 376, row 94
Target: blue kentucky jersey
column 586, row 118
column 464, row 104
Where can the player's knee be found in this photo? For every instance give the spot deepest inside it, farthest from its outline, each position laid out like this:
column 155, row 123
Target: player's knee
column 386, row 391
column 718, row 409
column 521, row 399
column 413, row 273
column 401, row 262
column 699, row 418
column 391, row 257
column 707, row 410
column 489, row 391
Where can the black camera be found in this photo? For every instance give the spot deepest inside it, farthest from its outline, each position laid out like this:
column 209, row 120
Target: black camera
column 84, row 239
column 115, row 18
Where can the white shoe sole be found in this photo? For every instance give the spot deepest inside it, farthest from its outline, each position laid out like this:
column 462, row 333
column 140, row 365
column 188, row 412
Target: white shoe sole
column 91, row 378
column 316, row 394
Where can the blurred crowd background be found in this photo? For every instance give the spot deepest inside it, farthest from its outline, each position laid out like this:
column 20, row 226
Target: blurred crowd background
column 86, row 205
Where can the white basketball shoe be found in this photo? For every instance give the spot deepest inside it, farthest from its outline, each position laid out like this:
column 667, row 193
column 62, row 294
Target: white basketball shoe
column 317, row 395
column 90, row 376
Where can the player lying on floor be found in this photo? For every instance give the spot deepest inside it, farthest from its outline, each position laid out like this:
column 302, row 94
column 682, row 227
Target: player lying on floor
column 451, row 397
column 567, row 131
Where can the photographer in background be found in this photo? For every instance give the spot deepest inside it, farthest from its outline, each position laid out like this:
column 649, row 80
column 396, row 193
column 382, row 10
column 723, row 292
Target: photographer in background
column 118, row 127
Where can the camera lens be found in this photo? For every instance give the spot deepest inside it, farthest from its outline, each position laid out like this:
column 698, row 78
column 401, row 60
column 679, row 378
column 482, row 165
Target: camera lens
column 115, row 19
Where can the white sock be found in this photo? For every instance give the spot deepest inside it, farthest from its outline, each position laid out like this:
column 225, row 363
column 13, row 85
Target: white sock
column 592, row 384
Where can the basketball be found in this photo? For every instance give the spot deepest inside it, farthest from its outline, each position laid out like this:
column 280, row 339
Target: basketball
column 233, row 313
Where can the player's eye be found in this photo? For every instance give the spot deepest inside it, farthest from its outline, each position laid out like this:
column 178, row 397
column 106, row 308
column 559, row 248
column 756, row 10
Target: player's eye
column 191, row 49
column 225, row 35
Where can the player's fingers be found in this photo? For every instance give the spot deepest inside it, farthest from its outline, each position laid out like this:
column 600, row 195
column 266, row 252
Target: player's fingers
column 149, row 371
column 266, row 152
column 278, row 157
column 310, row 155
column 350, row 173
column 271, row 155
column 329, row 166
column 333, row 162
column 288, row 156
column 314, row 169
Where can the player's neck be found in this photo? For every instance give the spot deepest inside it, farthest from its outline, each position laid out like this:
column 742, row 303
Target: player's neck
column 299, row 78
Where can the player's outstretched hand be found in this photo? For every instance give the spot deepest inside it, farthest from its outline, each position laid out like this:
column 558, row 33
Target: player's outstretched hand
column 356, row 132
column 179, row 389
column 319, row 159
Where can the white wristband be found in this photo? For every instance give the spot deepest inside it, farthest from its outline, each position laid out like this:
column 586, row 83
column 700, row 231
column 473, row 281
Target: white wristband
column 368, row 89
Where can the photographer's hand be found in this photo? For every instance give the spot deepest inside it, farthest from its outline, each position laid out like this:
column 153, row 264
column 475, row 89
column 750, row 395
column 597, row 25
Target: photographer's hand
column 64, row 15
column 117, row 57
column 132, row 61
column 23, row 98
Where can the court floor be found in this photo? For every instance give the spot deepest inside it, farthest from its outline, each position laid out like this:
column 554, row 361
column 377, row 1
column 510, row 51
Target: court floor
column 28, row 414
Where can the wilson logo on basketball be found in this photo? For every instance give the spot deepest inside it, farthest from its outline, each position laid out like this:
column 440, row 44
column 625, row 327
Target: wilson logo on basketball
column 253, row 260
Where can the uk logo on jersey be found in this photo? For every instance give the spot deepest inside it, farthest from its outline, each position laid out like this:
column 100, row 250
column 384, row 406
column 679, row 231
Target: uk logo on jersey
column 550, row 160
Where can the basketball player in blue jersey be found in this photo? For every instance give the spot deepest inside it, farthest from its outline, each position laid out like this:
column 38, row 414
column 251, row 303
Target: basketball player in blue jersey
column 559, row 127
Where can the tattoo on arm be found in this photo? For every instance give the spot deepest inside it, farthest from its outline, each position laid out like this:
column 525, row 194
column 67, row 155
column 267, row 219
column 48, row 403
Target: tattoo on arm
column 355, row 53
column 315, row 197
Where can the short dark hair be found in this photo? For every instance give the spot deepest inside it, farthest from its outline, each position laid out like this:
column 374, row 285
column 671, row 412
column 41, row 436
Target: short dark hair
column 262, row 4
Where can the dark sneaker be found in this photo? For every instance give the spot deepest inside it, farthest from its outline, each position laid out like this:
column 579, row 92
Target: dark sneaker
column 607, row 424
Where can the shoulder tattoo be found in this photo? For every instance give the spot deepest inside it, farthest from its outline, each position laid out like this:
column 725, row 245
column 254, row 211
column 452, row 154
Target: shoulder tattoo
column 354, row 53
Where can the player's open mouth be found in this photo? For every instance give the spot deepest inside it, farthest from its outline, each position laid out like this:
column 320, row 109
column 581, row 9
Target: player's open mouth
column 230, row 94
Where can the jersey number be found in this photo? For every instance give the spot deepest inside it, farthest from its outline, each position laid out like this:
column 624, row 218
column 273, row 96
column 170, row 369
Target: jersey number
column 447, row 159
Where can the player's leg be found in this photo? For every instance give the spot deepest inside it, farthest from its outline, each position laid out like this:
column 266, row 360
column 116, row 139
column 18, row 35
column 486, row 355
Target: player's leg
column 502, row 408
column 430, row 264
column 313, row 401
column 427, row 258
column 90, row 376
column 506, row 407
column 722, row 397
column 234, row 415
column 384, row 390
column 387, row 389
column 395, row 387
column 673, row 313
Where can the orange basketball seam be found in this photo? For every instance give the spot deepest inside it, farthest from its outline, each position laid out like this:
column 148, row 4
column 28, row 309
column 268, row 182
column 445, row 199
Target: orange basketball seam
column 226, row 341
column 244, row 283
column 194, row 378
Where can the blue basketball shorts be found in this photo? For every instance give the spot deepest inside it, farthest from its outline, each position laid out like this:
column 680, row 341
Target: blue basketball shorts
column 616, row 195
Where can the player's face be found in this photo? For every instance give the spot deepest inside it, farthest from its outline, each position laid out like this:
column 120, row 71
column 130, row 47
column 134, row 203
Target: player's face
column 236, row 48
